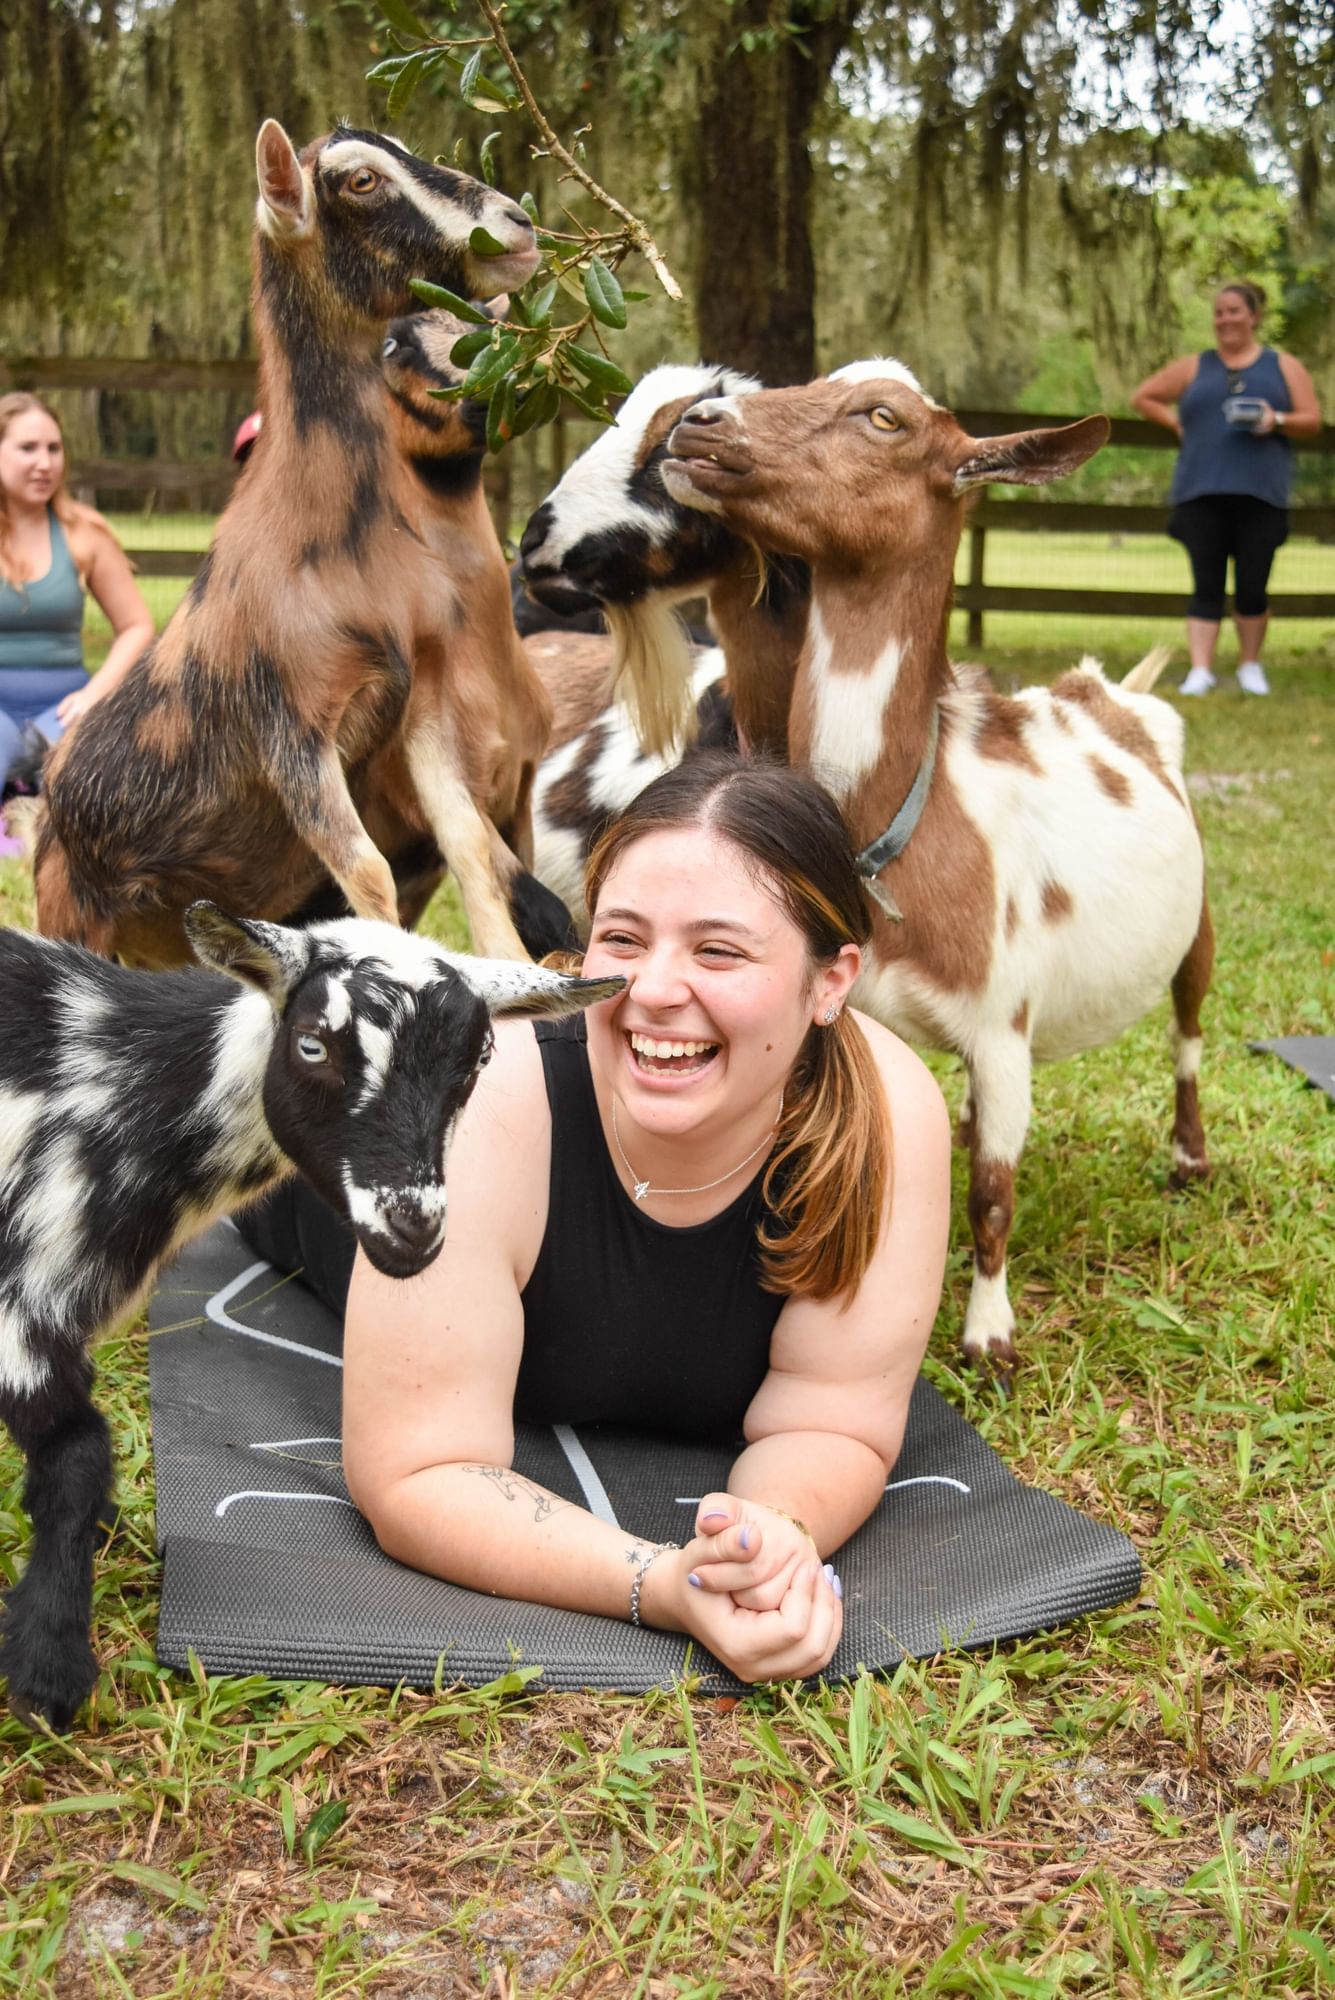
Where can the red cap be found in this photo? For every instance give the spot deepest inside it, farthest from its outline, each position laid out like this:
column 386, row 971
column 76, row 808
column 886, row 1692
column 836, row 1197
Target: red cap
column 246, row 433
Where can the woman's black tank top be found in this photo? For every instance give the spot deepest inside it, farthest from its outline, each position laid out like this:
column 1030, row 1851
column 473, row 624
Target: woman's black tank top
column 628, row 1321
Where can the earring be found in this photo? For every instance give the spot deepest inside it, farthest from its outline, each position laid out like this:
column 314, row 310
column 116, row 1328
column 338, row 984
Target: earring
column 831, row 1015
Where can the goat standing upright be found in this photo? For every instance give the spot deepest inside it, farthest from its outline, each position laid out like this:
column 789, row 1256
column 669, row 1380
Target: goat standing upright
column 1036, row 861
column 462, row 766
column 137, row 1107
column 218, row 768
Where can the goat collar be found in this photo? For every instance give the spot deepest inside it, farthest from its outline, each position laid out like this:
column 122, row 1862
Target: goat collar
column 897, row 835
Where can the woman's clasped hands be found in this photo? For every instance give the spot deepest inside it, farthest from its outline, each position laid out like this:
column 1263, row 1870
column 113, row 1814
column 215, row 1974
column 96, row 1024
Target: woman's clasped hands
column 752, row 1587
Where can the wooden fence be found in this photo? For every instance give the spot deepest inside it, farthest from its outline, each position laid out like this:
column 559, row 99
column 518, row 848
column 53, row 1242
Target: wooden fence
column 213, row 478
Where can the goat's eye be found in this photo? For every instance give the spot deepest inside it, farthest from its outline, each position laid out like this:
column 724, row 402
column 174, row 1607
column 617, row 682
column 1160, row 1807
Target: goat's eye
column 884, row 419
column 363, row 181
column 391, row 346
column 488, row 1050
column 311, row 1049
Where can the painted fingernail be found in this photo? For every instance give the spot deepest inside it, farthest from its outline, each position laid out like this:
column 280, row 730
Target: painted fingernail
column 714, row 1515
column 694, row 1579
column 837, row 1587
column 745, row 1538
column 828, row 1572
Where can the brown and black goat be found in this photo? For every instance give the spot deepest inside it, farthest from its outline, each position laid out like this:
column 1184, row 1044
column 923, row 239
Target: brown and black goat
column 219, row 767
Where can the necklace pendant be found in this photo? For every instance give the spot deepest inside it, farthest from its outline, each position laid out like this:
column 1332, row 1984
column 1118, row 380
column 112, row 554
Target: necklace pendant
column 641, row 1190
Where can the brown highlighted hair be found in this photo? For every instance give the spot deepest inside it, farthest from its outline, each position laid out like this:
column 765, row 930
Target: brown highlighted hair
column 1251, row 295
column 73, row 518
column 826, row 1182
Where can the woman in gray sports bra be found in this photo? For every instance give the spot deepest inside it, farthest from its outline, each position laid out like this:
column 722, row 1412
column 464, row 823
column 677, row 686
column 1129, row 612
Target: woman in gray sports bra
column 1235, row 408
column 52, row 550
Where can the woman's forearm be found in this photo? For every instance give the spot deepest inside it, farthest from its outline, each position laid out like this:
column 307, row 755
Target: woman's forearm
column 829, row 1482
column 124, row 650
column 492, row 1529
column 1156, row 412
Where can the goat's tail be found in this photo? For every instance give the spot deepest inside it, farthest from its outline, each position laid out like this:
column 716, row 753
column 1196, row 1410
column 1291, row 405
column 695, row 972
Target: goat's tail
column 652, row 675
column 24, row 817
column 1146, row 672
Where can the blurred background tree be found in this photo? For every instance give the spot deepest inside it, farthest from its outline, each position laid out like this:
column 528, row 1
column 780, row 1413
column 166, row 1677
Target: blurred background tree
column 1029, row 200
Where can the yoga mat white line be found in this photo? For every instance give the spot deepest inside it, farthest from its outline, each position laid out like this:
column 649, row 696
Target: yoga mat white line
column 590, row 1484
column 919, row 1479
column 259, row 1493
column 216, row 1310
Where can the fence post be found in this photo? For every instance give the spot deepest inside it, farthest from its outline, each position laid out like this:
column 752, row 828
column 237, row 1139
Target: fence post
column 977, row 546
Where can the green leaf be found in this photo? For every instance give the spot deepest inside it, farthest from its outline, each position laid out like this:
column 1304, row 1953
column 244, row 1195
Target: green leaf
column 404, row 86
column 169, row 1887
column 500, row 414
column 436, row 295
column 529, row 206
column 401, row 16
column 604, row 294
column 596, row 368
column 486, row 156
column 386, row 71
column 82, row 1802
column 536, row 408
column 588, row 403
column 489, row 368
column 472, row 69
column 494, row 94
column 540, row 305
column 323, row 1823
column 485, row 244
column 468, row 346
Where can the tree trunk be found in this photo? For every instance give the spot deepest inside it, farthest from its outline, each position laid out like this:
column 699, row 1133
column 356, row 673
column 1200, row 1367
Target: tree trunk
column 749, row 177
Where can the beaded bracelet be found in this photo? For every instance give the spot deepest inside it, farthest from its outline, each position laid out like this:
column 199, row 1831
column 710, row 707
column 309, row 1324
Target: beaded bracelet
column 642, row 1568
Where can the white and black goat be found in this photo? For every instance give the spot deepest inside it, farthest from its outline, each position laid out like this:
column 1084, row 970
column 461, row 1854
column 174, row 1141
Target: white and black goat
column 1053, row 884
column 136, row 1107
column 610, row 533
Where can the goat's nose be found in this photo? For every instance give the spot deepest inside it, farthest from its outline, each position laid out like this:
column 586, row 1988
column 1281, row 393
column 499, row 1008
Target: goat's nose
column 705, row 413
column 408, row 1229
column 535, row 534
column 514, row 213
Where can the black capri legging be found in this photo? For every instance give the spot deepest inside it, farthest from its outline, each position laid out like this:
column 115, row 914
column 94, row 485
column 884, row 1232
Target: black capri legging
column 1219, row 525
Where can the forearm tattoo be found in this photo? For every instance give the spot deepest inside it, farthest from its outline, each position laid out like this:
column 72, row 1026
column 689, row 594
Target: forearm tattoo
column 512, row 1486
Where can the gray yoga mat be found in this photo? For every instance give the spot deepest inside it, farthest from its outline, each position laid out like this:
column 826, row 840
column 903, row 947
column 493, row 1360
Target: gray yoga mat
column 1312, row 1055
column 268, row 1567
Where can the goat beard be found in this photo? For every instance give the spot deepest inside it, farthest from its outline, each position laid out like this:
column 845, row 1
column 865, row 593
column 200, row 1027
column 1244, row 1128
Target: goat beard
column 652, row 674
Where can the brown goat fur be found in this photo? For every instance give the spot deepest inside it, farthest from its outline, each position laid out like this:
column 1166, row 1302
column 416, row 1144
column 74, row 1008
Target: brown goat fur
column 219, row 768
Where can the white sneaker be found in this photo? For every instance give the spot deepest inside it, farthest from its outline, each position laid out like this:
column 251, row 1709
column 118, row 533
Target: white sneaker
column 1199, row 681
column 1251, row 678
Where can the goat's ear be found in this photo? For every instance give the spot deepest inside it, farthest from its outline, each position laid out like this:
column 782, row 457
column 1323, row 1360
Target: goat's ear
column 1031, row 458
column 510, row 986
column 285, row 198
column 268, row 956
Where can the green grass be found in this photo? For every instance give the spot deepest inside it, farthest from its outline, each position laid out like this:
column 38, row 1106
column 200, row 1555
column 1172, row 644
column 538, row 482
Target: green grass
column 1139, row 1805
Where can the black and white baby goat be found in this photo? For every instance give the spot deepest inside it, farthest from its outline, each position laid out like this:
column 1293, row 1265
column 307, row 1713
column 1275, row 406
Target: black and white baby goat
column 136, row 1107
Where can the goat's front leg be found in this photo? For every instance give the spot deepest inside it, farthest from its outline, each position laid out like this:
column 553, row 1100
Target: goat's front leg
column 320, row 807
column 464, row 836
column 1000, row 1071
column 45, row 1650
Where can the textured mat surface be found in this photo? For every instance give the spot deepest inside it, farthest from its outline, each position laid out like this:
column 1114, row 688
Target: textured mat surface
column 268, row 1567
column 1312, row 1055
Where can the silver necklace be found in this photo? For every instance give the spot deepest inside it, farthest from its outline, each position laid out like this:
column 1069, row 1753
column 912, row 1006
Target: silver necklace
column 643, row 1188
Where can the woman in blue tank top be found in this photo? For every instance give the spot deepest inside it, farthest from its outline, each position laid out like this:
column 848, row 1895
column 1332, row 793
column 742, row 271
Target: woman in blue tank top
column 52, row 550
column 695, row 1217
column 1235, row 407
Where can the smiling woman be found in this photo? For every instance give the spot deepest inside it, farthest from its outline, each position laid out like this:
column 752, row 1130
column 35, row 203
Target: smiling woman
column 682, row 1219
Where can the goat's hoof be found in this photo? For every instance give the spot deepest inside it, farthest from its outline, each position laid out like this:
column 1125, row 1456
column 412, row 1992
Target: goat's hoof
column 998, row 1359
column 1186, row 1172
column 48, row 1684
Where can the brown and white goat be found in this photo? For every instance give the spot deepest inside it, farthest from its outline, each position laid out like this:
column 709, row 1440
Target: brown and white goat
column 218, row 768
column 610, row 533
column 1054, row 885
column 460, row 770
